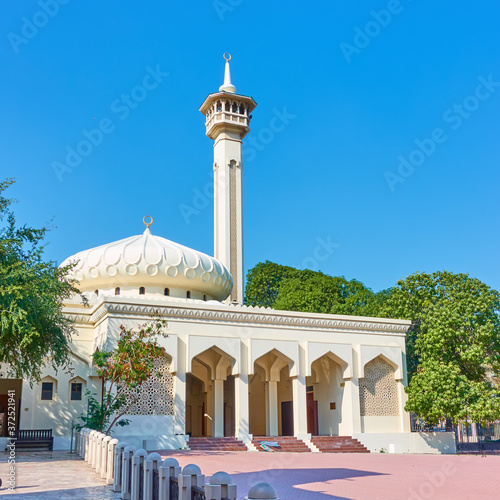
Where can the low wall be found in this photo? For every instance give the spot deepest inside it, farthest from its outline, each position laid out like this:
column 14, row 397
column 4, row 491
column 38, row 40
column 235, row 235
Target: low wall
column 409, row 442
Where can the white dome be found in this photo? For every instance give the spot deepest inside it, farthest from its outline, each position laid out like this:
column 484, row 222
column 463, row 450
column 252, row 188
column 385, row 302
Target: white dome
column 149, row 260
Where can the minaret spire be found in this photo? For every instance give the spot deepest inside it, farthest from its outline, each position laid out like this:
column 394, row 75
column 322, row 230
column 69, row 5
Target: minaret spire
column 227, row 86
column 228, row 122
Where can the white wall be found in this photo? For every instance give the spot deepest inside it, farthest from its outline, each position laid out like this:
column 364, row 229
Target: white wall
column 409, row 442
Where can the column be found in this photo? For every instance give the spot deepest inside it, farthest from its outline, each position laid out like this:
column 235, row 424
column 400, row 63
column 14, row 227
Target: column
column 299, row 407
column 404, row 416
column 351, row 419
column 218, row 408
column 242, row 414
column 272, row 408
column 180, row 403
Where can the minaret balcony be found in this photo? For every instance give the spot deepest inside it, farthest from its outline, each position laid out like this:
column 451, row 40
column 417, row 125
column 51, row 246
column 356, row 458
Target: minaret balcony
column 228, row 117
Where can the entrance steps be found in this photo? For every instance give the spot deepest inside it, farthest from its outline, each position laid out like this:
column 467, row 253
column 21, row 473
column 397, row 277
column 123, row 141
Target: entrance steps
column 338, row 444
column 216, row 444
column 286, row 443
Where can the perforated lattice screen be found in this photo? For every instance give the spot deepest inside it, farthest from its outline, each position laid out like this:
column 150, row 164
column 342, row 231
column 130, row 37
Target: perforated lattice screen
column 156, row 395
column 378, row 395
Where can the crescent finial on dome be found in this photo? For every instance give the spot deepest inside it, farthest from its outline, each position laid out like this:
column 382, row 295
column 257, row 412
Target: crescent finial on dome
column 147, row 224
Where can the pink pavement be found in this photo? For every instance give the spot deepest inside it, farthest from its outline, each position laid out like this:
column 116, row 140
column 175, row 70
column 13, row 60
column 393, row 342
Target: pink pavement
column 325, row 476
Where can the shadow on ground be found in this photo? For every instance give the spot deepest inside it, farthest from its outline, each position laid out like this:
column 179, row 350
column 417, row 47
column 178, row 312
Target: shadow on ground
column 292, row 483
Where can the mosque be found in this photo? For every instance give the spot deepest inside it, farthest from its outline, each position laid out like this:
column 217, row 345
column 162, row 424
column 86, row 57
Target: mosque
column 231, row 372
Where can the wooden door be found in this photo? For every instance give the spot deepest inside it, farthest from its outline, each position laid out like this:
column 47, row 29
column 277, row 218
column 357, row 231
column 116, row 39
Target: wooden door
column 287, row 418
column 312, row 415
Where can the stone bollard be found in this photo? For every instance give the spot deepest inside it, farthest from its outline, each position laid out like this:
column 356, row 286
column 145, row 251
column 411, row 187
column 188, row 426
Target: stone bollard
column 81, row 442
column 128, row 452
column 190, row 476
column 262, row 491
column 137, row 490
column 152, row 475
column 169, row 468
column 117, row 475
column 91, row 447
column 220, row 487
column 97, row 454
column 104, row 456
column 110, row 462
column 87, row 444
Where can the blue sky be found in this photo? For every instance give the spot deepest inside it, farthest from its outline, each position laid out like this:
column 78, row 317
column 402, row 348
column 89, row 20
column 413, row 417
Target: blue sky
column 386, row 163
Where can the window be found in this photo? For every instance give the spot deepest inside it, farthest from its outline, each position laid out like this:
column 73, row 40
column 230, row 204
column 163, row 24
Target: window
column 76, row 391
column 47, row 391
column 242, row 110
column 188, row 294
column 227, row 106
column 142, row 290
column 117, row 290
column 166, row 291
column 205, row 298
column 96, row 292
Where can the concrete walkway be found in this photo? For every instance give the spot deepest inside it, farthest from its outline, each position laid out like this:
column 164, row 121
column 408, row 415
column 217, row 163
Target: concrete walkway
column 297, row 476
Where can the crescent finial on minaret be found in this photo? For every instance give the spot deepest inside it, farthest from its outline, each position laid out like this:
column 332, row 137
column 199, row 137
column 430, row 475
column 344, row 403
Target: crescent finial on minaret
column 227, row 86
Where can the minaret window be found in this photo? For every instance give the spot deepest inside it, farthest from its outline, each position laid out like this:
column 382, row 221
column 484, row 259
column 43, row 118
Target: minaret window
column 205, row 298
column 235, row 108
column 142, row 290
column 166, row 291
column 228, row 106
column 242, row 110
column 219, row 106
column 188, row 294
column 117, row 291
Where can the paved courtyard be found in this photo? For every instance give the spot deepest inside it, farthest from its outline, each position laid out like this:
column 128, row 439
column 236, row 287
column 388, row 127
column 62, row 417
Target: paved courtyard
column 309, row 476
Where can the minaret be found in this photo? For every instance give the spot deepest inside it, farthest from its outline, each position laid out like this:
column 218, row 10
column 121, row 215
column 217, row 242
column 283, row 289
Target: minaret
column 228, row 121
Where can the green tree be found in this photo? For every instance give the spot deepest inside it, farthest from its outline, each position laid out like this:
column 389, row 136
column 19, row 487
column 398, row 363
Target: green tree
column 123, row 371
column 33, row 330
column 290, row 289
column 324, row 294
column 264, row 281
column 453, row 344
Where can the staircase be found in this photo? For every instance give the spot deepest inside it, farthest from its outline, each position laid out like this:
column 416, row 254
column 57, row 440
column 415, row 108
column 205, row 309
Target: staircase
column 338, row 444
column 286, row 444
column 216, row 444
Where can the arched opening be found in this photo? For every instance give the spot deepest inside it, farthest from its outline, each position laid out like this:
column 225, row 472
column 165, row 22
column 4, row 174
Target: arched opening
column 228, row 106
column 325, row 391
column 242, row 110
column 117, row 290
column 196, row 406
column 166, row 291
column 142, row 290
column 271, row 389
column 210, row 395
column 188, row 294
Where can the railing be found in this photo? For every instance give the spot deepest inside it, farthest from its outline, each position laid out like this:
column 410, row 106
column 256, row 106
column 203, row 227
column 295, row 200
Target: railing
column 138, row 475
column 198, row 493
column 477, row 438
column 174, row 488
